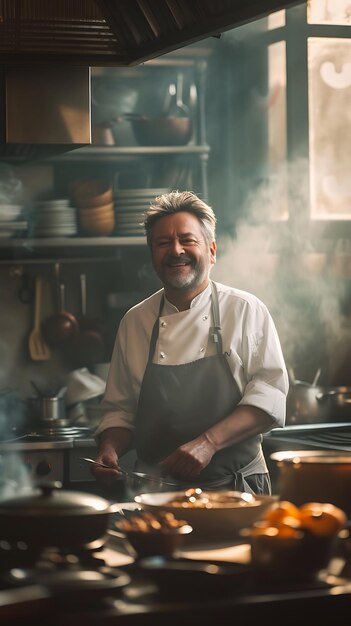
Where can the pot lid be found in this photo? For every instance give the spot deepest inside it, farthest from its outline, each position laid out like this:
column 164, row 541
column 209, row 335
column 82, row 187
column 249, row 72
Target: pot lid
column 71, row 580
column 299, row 457
column 50, row 498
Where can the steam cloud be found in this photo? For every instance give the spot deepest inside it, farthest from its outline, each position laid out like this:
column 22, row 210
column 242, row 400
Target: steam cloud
column 287, row 272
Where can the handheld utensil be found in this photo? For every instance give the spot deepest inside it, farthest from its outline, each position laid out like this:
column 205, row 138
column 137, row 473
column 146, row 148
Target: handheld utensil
column 92, row 462
column 38, row 348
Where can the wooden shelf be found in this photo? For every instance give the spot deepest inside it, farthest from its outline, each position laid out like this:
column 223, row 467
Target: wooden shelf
column 125, row 153
column 72, row 242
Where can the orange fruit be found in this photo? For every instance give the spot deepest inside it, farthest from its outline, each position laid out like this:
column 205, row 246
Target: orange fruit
column 288, row 523
column 281, row 509
column 322, row 518
column 289, row 527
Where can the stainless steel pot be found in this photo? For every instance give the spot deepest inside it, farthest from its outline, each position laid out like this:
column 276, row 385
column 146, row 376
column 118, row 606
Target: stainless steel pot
column 303, row 406
column 316, row 405
column 48, row 411
column 336, row 401
column 314, row 476
column 50, row 516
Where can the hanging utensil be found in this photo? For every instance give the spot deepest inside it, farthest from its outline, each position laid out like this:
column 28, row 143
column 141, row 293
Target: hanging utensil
column 38, row 348
column 88, row 346
column 26, row 292
column 180, row 109
column 62, row 326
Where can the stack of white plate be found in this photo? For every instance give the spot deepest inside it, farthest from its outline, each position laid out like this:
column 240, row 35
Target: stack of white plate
column 130, row 205
column 54, row 218
column 11, row 220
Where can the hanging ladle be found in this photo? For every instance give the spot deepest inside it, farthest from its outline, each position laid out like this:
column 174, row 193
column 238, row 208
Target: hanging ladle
column 62, row 326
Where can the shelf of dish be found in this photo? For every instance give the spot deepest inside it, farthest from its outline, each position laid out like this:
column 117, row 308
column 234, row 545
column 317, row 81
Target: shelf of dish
column 125, row 152
column 72, row 242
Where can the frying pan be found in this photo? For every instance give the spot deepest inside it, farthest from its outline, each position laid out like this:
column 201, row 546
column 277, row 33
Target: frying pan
column 87, row 347
column 62, row 326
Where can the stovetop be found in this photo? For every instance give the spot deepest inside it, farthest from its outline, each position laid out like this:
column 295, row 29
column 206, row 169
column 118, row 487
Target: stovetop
column 45, row 438
column 333, row 436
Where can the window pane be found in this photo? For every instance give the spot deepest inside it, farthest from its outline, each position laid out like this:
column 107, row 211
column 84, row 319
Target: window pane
column 329, row 78
column 329, row 12
column 277, row 126
column 276, row 20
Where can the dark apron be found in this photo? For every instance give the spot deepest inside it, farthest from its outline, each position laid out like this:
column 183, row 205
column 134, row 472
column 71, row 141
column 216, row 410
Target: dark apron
column 177, row 403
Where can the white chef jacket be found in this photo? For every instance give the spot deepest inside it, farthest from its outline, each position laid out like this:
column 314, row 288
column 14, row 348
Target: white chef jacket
column 250, row 341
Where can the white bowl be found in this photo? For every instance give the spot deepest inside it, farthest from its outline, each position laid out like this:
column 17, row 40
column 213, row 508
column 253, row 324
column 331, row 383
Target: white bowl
column 210, row 524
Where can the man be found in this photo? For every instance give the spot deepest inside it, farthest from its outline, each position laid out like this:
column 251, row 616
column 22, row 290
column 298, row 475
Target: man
column 197, row 372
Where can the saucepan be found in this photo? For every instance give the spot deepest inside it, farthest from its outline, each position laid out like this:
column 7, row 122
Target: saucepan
column 309, row 403
column 314, row 476
column 49, row 516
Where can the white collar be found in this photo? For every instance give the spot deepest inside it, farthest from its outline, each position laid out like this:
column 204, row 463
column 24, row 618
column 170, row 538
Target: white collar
column 201, row 298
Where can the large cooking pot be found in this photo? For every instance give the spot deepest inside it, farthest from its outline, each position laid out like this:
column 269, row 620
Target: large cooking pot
column 313, row 404
column 314, row 475
column 50, row 516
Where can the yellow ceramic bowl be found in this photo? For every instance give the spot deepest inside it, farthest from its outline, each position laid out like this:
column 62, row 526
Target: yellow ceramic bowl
column 91, row 192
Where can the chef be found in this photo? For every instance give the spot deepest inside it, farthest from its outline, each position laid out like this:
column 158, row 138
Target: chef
column 197, row 373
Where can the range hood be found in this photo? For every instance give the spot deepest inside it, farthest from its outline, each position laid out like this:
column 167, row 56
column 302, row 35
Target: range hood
column 45, row 109
column 116, row 32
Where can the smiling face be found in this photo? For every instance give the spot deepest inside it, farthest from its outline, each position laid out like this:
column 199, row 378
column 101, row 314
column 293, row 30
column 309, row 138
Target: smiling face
column 181, row 254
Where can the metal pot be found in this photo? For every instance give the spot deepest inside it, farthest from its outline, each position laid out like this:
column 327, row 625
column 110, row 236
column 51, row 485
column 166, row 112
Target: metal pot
column 303, row 406
column 314, row 476
column 336, row 401
column 311, row 404
column 171, row 130
column 49, row 516
column 48, row 409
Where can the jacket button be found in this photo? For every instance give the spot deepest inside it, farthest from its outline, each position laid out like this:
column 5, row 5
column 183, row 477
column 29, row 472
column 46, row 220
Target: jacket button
column 163, row 323
column 162, row 355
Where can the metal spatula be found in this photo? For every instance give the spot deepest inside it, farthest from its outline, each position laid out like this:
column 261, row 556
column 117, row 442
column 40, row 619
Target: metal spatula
column 38, row 349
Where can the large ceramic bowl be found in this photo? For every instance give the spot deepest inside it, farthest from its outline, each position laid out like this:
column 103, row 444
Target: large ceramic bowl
column 219, row 523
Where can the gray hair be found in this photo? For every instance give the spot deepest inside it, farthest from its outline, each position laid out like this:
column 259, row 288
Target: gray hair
column 177, row 201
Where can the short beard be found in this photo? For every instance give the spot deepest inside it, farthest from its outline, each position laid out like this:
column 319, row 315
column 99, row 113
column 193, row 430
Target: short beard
column 182, row 283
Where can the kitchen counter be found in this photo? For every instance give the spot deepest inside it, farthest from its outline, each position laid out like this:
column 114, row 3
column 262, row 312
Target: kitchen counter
column 142, row 603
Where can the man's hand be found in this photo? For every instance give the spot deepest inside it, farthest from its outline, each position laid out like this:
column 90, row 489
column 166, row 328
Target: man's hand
column 189, row 459
column 113, row 442
column 109, row 475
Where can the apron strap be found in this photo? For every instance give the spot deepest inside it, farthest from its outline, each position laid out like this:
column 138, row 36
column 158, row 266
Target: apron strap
column 154, row 334
column 215, row 330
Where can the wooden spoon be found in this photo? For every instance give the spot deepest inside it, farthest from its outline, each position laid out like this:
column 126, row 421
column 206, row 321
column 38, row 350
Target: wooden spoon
column 38, row 348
